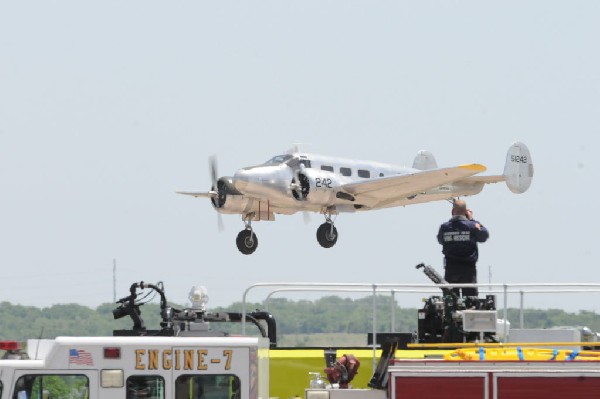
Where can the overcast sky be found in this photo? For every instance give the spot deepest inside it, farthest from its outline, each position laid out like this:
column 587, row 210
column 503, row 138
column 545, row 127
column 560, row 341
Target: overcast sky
column 107, row 108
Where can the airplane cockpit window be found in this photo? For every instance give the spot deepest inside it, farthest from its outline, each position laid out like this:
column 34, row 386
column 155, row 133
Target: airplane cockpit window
column 278, row 159
column 305, row 162
column 295, row 162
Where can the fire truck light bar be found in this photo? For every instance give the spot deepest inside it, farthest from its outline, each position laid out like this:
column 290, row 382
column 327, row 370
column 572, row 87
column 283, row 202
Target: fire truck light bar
column 10, row 345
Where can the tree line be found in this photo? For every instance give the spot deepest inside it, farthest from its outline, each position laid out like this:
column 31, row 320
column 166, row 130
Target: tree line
column 331, row 314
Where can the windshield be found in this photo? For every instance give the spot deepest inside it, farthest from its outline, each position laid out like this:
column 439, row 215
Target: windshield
column 278, row 159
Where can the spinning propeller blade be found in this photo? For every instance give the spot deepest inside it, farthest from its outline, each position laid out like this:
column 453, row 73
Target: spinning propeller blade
column 212, row 166
column 214, row 176
column 306, row 217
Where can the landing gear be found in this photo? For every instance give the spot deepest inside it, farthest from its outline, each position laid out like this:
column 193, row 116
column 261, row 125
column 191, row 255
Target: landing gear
column 246, row 240
column 327, row 234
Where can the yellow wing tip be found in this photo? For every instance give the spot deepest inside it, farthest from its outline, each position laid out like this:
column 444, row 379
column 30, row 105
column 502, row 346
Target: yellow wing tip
column 474, row 167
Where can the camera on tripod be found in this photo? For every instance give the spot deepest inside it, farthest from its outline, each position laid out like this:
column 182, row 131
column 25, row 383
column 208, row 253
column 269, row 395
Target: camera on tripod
column 454, row 318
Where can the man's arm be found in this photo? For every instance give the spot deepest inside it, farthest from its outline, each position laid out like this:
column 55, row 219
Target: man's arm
column 440, row 235
column 481, row 233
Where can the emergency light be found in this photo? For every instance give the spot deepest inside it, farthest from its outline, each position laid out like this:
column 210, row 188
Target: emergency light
column 112, row 353
column 10, row 345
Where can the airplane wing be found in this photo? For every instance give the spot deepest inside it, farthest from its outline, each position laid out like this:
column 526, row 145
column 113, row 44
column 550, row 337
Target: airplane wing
column 484, row 179
column 379, row 192
column 210, row 194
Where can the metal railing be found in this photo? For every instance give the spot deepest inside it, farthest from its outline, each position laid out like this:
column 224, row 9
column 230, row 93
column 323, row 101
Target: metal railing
column 375, row 288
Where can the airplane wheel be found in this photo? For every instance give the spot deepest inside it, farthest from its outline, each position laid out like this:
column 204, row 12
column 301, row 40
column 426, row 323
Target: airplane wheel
column 247, row 242
column 326, row 237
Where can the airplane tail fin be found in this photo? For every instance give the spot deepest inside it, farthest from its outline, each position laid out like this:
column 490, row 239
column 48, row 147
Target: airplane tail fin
column 518, row 169
column 424, row 161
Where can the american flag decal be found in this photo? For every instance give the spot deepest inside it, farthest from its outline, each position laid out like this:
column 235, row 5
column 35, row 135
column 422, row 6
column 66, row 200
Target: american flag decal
column 80, row 356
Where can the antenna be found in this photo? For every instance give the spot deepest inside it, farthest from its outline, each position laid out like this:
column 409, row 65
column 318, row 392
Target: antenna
column 296, row 147
column 114, row 280
column 37, row 348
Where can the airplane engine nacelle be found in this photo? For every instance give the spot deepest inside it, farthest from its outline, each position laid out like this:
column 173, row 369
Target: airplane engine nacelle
column 236, row 204
column 316, row 187
column 229, row 199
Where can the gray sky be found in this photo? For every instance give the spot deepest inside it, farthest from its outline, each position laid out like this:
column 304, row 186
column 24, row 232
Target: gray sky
column 106, row 108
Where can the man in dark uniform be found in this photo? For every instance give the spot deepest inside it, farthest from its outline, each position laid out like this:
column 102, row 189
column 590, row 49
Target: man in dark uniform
column 459, row 237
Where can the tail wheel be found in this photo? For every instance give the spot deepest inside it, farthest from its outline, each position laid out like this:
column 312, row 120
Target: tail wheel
column 247, row 241
column 327, row 235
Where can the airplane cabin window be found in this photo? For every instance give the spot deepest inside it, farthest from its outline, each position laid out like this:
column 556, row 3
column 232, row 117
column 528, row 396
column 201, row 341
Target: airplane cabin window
column 346, row 171
column 327, row 168
column 364, row 173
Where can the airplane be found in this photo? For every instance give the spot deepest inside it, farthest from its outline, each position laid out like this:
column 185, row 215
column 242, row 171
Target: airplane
column 301, row 182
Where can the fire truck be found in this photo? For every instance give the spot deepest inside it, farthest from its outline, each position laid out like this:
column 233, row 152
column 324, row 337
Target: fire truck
column 238, row 368
column 185, row 359
column 513, row 379
column 136, row 367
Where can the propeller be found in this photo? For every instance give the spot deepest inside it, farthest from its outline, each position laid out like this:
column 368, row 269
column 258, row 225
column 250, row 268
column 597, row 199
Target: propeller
column 214, row 190
column 220, row 226
column 217, row 192
column 306, row 217
column 296, row 187
column 296, row 184
column 212, row 167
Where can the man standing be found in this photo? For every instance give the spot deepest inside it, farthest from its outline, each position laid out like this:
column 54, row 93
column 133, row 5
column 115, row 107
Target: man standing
column 459, row 237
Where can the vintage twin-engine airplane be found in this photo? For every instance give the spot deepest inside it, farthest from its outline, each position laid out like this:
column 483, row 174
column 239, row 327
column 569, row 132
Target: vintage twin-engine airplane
column 300, row 182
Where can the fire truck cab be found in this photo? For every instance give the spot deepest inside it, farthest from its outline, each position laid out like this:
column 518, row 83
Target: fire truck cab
column 136, row 367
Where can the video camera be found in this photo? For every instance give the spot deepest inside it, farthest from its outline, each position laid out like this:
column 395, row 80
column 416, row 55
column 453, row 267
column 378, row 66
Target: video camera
column 453, row 318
